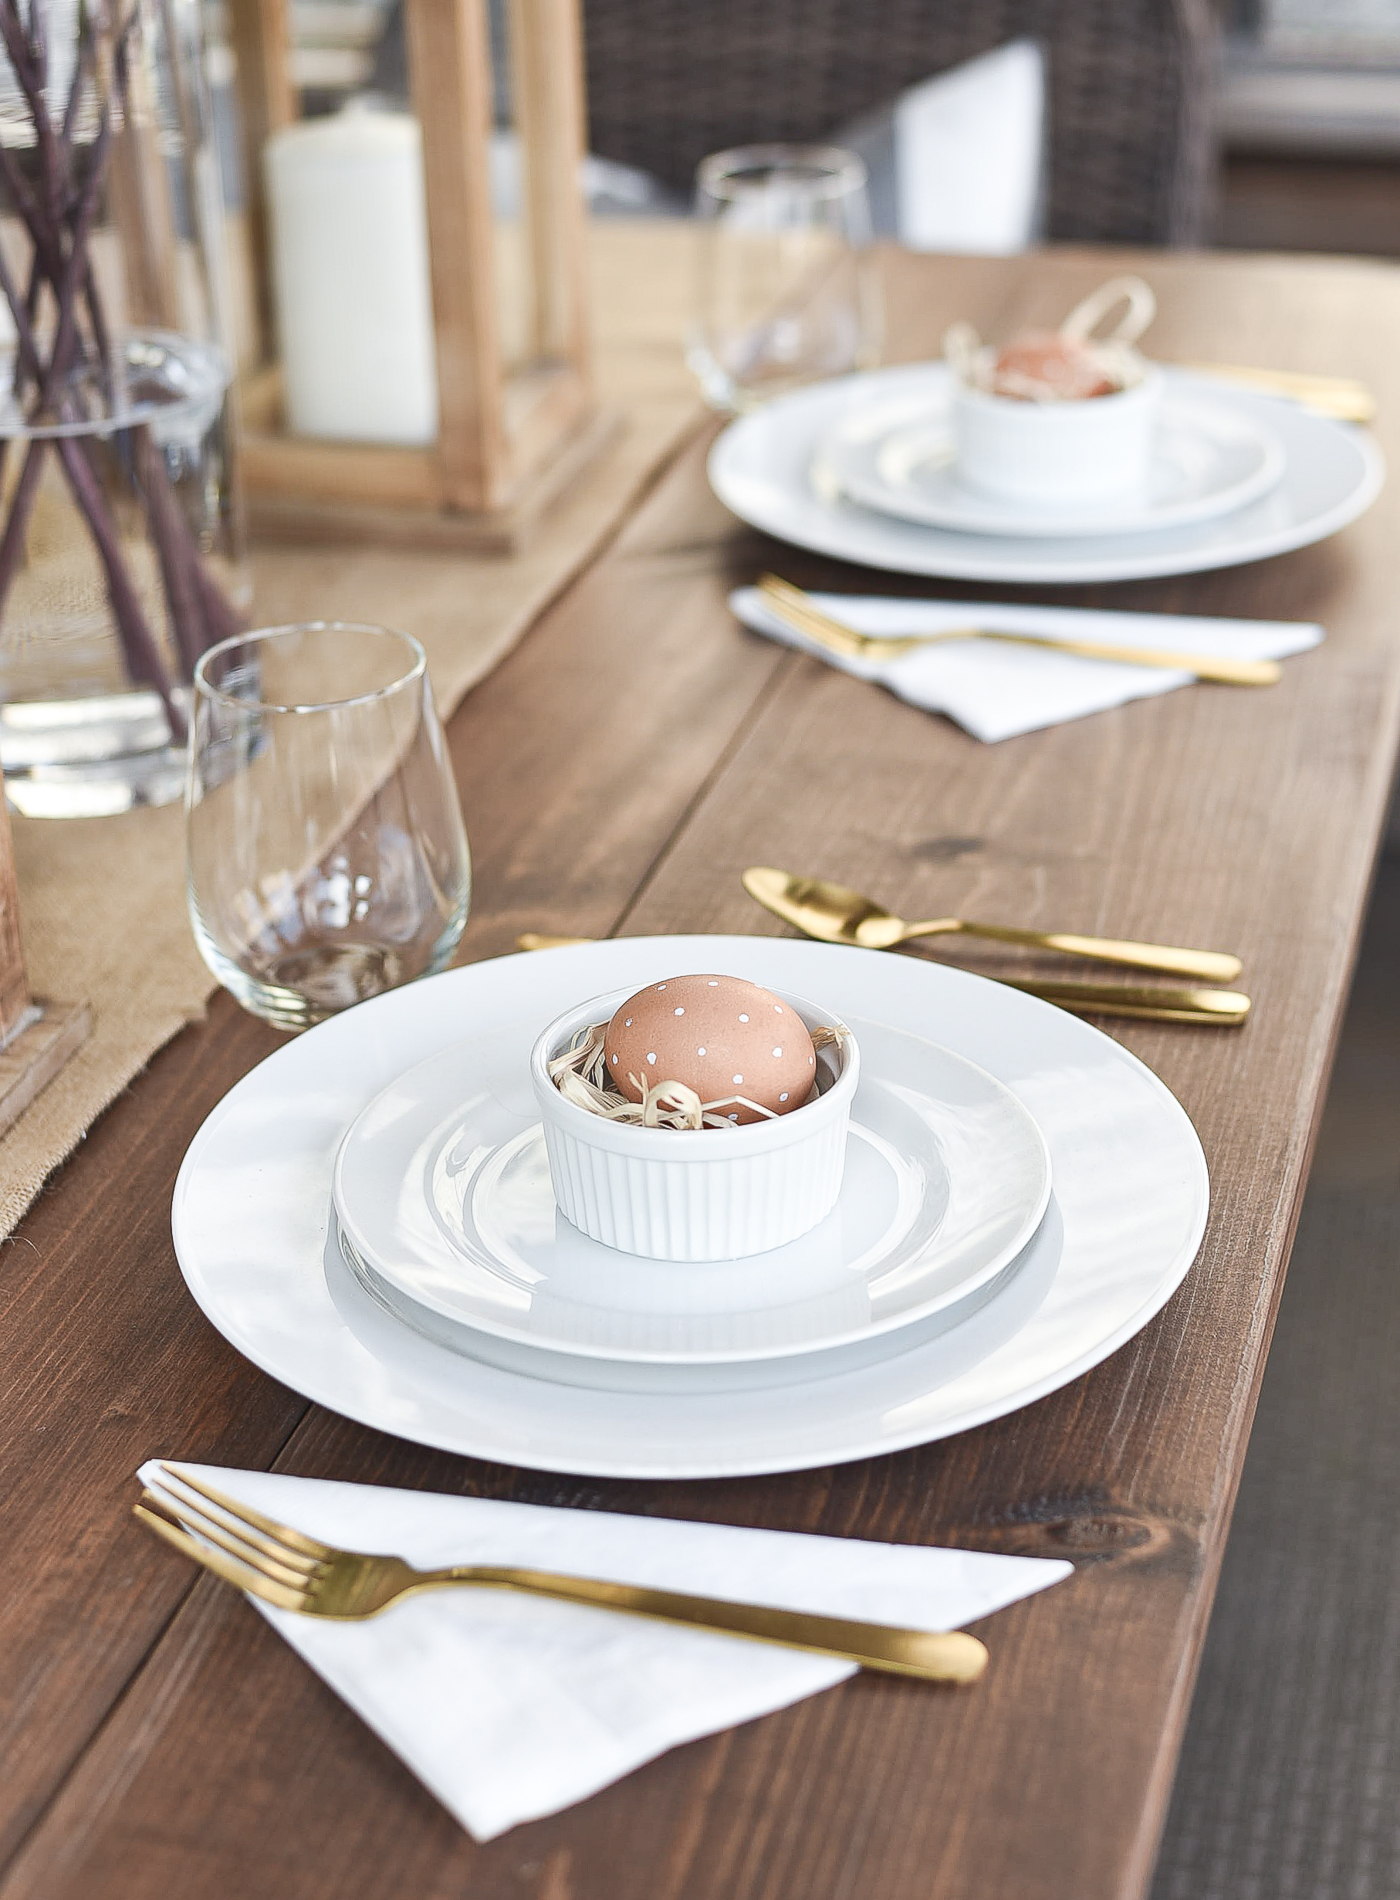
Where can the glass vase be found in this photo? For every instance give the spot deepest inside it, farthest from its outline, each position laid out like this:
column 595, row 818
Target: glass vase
column 120, row 530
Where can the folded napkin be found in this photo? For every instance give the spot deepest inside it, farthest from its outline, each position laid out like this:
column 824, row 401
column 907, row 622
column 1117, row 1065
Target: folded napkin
column 995, row 691
column 508, row 1707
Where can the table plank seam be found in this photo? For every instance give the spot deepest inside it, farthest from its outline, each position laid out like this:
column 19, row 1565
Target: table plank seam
column 738, row 738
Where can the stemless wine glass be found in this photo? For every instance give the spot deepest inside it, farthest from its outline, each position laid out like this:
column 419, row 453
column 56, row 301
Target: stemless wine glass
column 786, row 291
column 327, row 857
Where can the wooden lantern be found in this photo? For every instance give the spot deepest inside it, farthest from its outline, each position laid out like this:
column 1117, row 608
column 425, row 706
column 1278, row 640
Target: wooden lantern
column 36, row 1039
column 509, row 439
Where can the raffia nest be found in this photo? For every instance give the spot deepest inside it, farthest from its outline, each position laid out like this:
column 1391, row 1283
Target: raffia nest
column 579, row 1075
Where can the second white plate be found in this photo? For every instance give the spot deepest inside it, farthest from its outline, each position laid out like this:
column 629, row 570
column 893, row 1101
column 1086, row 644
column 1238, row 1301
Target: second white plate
column 766, row 468
column 445, row 1210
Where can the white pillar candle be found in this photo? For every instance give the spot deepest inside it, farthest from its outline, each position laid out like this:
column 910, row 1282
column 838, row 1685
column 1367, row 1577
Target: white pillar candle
column 349, row 238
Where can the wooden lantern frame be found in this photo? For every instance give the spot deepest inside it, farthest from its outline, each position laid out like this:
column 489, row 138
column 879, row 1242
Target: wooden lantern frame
column 36, row 1038
column 507, row 442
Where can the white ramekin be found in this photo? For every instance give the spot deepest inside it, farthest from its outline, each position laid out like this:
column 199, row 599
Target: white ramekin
column 1058, row 453
column 714, row 1194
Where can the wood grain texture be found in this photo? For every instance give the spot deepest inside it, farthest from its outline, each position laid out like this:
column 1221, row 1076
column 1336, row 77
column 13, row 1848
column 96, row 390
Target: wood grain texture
column 618, row 772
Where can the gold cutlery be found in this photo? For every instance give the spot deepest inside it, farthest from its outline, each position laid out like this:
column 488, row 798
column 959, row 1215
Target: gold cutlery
column 1147, row 1002
column 296, row 1572
column 1339, row 398
column 798, row 609
column 835, row 914
column 1221, row 1009
column 541, row 940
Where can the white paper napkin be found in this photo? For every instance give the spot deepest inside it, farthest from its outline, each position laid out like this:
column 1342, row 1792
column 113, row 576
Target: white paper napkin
column 995, row 691
column 508, row 1707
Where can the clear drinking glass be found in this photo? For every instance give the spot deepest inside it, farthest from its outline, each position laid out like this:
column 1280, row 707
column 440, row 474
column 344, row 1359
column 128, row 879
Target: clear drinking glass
column 327, row 857
column 786, row 290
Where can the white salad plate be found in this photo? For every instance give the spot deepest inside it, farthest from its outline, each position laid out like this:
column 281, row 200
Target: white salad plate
column 1208, row 457
column 769, row 469
column 445, row 1210
column 256, row 1243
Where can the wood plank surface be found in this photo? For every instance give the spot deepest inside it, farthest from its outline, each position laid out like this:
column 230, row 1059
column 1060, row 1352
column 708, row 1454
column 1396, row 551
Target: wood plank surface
column 618, row 771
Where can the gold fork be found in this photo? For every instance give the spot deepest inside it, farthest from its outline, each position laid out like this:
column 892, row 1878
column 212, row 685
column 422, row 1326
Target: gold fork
column 287, row 1568
column 834, row 913
column 801, row 612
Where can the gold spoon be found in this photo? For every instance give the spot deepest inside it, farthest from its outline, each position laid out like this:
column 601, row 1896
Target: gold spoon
column 1221, row 1009
column 790, row 604
column 835, row 914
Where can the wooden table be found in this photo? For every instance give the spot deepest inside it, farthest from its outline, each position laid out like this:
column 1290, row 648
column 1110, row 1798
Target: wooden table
column 617, row 773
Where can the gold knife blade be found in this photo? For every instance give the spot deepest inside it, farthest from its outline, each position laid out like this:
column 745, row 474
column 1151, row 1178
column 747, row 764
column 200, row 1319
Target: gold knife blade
column 1146, row 1002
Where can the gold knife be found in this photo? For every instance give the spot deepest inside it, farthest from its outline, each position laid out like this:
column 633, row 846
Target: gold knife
column 1147, row 1002
column 1339, row 398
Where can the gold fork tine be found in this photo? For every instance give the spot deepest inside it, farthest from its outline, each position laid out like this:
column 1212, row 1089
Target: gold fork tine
column 260, row 1555
column 238, row 1574
column 245, row 1517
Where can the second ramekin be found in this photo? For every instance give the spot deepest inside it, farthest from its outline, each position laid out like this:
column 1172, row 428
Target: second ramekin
column 1057, row 453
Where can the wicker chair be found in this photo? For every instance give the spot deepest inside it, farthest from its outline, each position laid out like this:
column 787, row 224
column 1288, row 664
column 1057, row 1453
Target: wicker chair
column 1132, row 86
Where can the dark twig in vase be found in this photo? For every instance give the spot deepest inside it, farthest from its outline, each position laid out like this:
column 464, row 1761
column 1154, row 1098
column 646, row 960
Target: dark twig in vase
column 142, row 654
column 172, row 550
column 66, row 342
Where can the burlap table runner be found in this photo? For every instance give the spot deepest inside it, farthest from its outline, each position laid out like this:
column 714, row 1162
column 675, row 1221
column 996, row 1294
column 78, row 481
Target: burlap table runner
column 102, row 900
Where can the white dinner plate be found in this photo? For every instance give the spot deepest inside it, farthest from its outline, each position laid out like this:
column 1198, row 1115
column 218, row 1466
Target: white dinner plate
column 254, row 1237
column 899, row 457
column 445, row 1210
column 766, row 468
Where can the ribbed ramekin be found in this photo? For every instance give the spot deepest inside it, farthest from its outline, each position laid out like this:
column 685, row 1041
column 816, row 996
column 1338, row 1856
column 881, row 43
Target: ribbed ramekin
column 1095, row 448
column 711, row 1194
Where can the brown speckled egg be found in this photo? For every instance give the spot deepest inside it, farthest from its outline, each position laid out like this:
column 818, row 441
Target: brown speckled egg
column 719, row 1035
